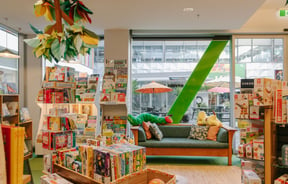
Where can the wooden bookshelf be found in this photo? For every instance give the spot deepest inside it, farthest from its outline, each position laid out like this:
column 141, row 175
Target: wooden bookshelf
column 12, row 101
column 28, row 137
column 27, row 156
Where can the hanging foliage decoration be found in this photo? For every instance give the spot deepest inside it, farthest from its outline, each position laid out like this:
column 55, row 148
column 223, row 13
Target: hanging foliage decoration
column 62, row 41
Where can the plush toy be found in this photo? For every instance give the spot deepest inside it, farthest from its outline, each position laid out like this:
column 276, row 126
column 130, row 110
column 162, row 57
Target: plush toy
column 135, row 121
column 201, row 119
column 211, row 120
column 156, row 181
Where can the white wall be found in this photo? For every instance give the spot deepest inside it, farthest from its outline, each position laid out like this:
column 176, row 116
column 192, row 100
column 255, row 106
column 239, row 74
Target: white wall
column 32, row 84
column 117, row 46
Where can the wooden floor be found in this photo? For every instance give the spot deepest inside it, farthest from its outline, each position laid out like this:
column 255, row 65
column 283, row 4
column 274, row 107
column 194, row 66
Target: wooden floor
column 198, row 174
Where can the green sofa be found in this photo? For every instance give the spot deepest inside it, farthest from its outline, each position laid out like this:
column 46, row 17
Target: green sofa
column 176, row 142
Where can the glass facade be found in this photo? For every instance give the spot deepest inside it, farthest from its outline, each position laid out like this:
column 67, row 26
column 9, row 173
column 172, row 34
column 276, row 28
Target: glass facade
column 8, row 66
column 171, row 62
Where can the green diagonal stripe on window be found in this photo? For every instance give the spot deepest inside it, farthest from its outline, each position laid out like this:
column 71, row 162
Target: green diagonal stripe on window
column 196, row 80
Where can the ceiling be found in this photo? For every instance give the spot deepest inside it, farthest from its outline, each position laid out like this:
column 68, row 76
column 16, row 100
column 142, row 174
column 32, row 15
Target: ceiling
column 163, row 15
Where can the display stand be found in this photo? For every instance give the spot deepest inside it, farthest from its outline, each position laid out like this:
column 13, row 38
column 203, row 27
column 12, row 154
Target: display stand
column 71, row 97
column 73, row 176
column 113, row 98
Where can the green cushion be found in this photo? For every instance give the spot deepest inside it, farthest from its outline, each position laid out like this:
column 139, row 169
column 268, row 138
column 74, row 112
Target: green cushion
column 175, row 131
column 182, row 143
column 222, row 135
column 141, row 135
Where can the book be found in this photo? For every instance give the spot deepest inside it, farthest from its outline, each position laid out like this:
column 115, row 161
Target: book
column 12, row 88
column 5, row 111
column 13, row 107
column 3, row 178
column 13, row 138
column 24, row 114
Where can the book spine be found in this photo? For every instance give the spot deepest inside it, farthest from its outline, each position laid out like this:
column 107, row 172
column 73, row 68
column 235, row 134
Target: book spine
column 20, row 155
column 14, row 153
column 6, row 131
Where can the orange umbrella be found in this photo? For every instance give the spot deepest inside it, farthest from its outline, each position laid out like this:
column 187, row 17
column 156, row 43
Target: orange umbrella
column 153, row 87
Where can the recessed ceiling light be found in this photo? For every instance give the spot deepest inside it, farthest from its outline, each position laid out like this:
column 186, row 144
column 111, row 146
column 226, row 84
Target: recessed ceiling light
column 188, row 9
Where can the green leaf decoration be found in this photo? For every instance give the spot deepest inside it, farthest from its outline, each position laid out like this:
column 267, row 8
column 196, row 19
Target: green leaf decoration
column 78, row 42
column 62, row 48
column 286, row 2
column 90, row 33
column 35, row 30
column 33, row 42
column 89, row 46
column 55, row 49
column 74, row 40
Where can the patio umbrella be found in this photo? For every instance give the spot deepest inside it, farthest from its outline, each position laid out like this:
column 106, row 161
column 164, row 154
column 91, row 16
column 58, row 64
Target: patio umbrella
column 153, row 87
column 219, row 90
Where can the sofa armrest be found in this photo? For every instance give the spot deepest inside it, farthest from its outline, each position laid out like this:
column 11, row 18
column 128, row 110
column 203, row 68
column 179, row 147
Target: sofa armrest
column 139, row 134
column 134, row 130
column 231, row 132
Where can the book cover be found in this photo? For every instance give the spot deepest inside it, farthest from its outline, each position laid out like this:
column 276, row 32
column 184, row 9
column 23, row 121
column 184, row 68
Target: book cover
column 24, row 114
column 99, row 163
column 5, row 111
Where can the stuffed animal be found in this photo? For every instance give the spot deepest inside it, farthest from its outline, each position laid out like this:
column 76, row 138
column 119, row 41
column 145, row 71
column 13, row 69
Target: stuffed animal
column 201, row 119
column 135, row 121
column 211, row 120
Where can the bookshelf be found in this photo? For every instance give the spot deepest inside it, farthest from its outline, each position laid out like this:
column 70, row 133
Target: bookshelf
column 28, row 138
column 9, row 109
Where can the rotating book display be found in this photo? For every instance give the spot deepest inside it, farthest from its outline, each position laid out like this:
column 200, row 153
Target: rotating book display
column 68, row 110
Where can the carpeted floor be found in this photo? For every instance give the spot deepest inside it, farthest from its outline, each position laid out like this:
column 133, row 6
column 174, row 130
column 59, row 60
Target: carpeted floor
column 182, row 167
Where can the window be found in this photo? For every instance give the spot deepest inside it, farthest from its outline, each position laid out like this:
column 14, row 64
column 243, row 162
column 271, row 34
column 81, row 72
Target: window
column 8, row 66
column 171, row 62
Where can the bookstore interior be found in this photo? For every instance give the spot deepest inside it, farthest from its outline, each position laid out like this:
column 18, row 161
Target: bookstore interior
column 124, row 108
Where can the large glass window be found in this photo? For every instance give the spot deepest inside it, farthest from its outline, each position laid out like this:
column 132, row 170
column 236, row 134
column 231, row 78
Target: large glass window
column 258, row 58
column 171, row 62
column 8, row 66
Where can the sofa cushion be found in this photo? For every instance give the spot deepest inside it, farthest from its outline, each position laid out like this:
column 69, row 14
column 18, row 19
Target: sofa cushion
column 198, row 132
column 212, row 133
column 141, row 135
column 175, row 131
column 222, row 135
column 146, row 127
column 156, row 132
column 182, row 143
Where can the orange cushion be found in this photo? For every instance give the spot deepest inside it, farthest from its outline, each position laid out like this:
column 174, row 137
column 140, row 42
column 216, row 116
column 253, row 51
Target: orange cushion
column 146, row 127
column 212, row 133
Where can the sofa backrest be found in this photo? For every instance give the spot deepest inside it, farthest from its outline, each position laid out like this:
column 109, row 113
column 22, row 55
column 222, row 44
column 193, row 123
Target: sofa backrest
column 175, row 131
column 181, row 132
column 222, row 136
